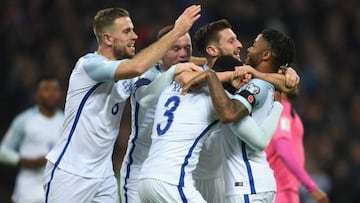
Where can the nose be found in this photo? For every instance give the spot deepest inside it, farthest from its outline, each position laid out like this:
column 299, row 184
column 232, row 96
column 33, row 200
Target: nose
column 239, row 44
column 184, row 53
column 134, row 35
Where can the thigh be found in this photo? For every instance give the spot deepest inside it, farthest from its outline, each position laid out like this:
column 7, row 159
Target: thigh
column 264, row 197
column 151, row 191
column 212, row 190
column 67, row 187
column 107, row 191
column 129, row 191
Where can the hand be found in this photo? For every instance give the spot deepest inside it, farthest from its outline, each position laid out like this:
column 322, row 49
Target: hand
column 187, row 19
column 244, row 70
column 33, row 163
column 292, row 79
column 241, row 76
column 320, row 196
column 181, row 67
column 277, row 95
column 195, row 82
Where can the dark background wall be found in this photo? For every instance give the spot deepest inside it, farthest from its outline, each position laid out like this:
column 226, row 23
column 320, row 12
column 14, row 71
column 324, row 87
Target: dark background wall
column 43, row 35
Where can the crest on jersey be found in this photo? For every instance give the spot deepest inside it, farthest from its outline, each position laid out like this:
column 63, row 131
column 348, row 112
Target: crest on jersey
column 252, row 88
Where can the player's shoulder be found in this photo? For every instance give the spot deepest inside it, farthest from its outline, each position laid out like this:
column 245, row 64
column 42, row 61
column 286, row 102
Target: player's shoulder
column 256, row 84
column 59, row 112
column 152, row 73
column 95, row 59
column 24, row 116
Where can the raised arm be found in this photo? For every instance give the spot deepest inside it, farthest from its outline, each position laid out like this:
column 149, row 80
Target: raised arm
column 153, row 53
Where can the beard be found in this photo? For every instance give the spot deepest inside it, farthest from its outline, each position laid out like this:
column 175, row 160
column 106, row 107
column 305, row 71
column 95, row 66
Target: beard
column 122, row 53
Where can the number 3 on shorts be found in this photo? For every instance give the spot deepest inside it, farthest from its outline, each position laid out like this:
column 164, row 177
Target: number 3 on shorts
column 172, row 102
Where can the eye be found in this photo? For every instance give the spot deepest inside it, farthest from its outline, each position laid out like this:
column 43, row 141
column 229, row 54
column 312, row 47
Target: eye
column 128, row 30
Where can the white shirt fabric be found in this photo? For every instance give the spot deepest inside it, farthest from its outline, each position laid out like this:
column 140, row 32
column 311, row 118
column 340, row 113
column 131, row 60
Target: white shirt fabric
column 246, row 170
column 141, row 128
column 142, row 119
column 181, row 125
column 31, row 135
column 93, row 110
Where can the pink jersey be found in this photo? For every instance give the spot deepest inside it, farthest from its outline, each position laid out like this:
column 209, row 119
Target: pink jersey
column 285, row 153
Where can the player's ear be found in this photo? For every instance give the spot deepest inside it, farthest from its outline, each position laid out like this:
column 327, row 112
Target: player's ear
column 212, row 50
column 106, row 38
column 266, row 55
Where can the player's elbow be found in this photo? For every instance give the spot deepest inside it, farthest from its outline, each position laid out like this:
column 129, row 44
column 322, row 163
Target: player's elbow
column 259, row 146
column 227, row 117
column 129, row 69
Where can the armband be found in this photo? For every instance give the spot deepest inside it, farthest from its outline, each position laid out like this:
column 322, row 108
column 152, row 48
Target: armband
column 248, row 96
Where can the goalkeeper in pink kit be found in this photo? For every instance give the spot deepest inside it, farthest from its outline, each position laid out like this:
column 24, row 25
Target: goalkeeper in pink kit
column 285, row 154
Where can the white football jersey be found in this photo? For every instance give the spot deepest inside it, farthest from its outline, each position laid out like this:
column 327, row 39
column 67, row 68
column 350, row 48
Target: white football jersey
column 93, row 110
column 246, row 170
column 209, row 166
column 32, row 135
column 140, row 138
column 141, row 128
column 181, row 125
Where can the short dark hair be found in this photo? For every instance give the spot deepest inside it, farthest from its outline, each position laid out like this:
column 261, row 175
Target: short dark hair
column 226, row 63
column 282, row 47
column 46, row 76
column 105, row 18
column 209, row 33
column 164, row 31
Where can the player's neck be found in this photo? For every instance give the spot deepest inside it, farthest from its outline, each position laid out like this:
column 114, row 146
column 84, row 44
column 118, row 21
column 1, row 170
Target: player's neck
column 265, row 68
column 48, row 112
column 106, row 52
column 210, row 62
column 164, row 66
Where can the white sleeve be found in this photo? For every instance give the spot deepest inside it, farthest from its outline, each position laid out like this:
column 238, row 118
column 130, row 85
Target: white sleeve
column 100, row 69
column 258, row 137
column 259, row 89
column 147, row 95
column 8, row 155
column 9, row 149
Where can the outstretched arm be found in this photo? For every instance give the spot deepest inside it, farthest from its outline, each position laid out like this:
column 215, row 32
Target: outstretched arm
column 191, row 80
column 148, row 95
column 283, row 82
column 153, row 53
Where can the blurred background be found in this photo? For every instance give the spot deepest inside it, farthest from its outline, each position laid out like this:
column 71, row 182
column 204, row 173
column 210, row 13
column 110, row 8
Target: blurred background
column 38, row 36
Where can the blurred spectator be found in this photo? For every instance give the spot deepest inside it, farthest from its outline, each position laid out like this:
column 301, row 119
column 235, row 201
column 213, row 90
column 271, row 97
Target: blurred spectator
column 30, row 137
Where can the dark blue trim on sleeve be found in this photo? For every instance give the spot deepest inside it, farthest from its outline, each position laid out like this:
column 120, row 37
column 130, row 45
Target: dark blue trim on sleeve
column 142, row 82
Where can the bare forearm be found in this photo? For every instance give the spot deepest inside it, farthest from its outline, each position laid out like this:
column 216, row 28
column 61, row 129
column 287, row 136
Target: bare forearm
column 147, row 57
column 277, row 79
column 32, row 163
column 225, row 76
column 227, row 109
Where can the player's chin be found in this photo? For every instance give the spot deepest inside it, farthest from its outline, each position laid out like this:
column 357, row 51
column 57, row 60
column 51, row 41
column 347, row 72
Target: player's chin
column 131, row 53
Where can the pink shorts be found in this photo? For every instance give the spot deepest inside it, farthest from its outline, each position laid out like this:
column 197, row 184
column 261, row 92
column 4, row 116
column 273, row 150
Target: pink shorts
column 288, row 196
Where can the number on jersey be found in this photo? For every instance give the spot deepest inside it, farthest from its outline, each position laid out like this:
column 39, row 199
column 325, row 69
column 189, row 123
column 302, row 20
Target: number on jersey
column 173, row 102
